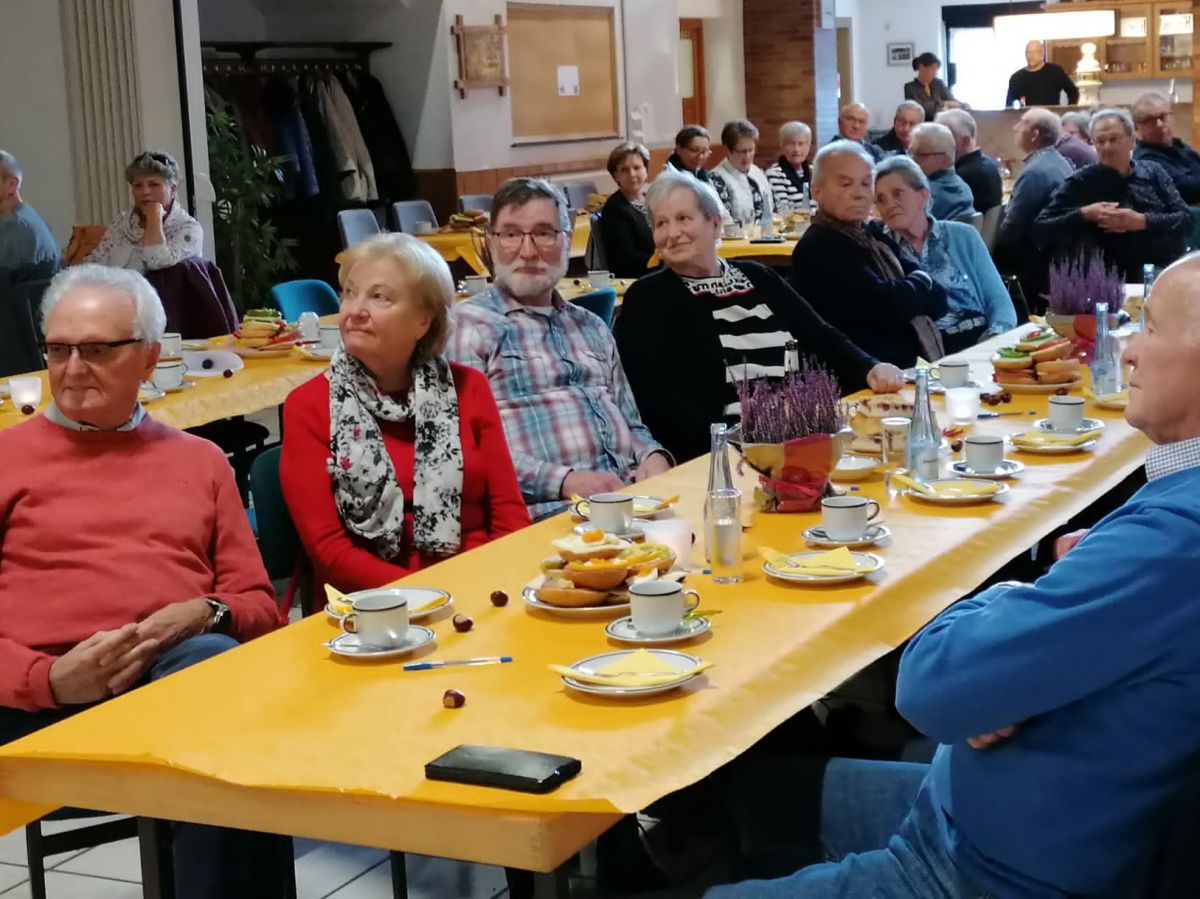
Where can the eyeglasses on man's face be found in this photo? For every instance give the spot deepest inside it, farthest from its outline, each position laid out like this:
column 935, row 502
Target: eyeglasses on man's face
column 512, row 239
column 1156, row 118
column 96, row 352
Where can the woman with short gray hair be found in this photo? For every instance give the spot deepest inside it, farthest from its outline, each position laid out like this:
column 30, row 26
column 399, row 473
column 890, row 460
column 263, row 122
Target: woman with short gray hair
column 791, row 175
column 157, row 233
column 741, row 184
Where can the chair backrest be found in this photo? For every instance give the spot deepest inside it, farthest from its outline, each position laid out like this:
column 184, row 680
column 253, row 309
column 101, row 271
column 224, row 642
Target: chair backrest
column 20, row 339
column 406, row 214
column 602, row 302
column 356, row 225
column 594, row 256
column 277, row 539
column 974, row 219
column 292, row 298
column 989, row 228
column 577, row 192
column 482, row 202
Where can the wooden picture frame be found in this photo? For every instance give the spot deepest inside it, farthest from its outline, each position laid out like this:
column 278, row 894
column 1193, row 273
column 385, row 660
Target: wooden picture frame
column 900, row 54
column 481, row 56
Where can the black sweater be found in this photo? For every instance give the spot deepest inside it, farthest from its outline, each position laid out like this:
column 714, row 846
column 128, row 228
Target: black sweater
column 673, row 358
column 626, row 237
column 835, row 275
column 1041, row 88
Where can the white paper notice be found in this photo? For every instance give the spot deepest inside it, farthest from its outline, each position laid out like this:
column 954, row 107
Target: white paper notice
column 568, row 81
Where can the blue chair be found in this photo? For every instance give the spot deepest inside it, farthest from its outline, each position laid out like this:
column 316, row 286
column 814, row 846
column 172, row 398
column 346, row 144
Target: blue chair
column 407, row 213
column 355, row 225
column 307, row 295
column 475, row 201
column 602, row 302
column 278, row 542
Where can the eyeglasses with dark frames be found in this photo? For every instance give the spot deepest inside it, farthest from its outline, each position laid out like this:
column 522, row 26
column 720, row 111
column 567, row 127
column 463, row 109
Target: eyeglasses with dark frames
column 544, row 238
column 96, row 352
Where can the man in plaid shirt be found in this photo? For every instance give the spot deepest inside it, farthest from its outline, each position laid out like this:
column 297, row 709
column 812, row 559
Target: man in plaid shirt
column 572, row 424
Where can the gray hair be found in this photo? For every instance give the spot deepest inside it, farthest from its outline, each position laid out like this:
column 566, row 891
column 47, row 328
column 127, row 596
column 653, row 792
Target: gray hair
column 906, row 168
column 794, row 129
column 149, row 319
column 854, row 105
column 9, row 163
column 1080, row 120
column 737, row 129
column 153, row 164
column 1047, row 125
column 1140, row 104
column 960, row 122
column 933, row 137
column 909, row 104
column 838, row 148
column 519, row 191
column 1121, row 115
column 670, row 181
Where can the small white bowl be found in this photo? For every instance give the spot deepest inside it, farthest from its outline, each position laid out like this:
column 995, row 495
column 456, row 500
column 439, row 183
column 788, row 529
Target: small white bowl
column 851, row 467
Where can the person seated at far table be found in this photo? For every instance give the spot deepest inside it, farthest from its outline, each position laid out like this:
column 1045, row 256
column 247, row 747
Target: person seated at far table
column 853, row 121
column 908, row 116
column 791, row 176
column 953, row 254
column 1128, row 210
column 395, row 458
column 693, row 146
column 572, row 424
column 27, row 248
column 1075, row 142
column 979, row 171
column 741, row 185
column 624, row 223
column 1066, row 710
column 933, row 147
column 854, row 275
column 734, row 317
column 927, row 90
column 109, row 580
column 157, row 233
column 1156, row 142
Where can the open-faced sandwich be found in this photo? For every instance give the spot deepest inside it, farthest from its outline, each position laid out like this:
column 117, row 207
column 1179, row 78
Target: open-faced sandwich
column 468, row 219
column 1040, row 357
column 588, row 569
column 869, row 412
column 265, row 329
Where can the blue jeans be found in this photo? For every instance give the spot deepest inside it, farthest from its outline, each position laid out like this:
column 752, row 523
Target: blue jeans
column 880, row 826
column 210, row 862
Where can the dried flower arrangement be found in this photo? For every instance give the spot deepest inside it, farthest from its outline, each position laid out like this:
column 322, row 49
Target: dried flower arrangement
column 806, row 402
column 1079, row 282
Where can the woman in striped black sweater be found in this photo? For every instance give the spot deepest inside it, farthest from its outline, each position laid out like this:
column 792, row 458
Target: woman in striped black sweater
column 687, row 333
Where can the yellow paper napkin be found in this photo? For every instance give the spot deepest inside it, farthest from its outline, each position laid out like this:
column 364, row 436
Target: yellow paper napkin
column 835, row 563
column 905, row 481
column 1046, row 438
column 1121, row 397
column 638, row 669
column 340, row 604
column 949, row 489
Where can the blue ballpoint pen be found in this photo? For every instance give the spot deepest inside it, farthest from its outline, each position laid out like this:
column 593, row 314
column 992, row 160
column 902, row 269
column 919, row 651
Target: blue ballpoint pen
column 486, row 660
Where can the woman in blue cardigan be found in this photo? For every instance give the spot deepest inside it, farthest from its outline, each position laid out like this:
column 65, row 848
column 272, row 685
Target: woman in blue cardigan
column 952, row 253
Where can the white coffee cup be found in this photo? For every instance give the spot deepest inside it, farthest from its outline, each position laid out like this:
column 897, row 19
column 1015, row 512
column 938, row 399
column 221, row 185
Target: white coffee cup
column 954, row 374
column 1066, row 413
column 379, row 618
column 476, row 284
column 983, row 452
column 847, row 517
column 611, row 512
column 423, row 228
column 169, row 375
column 599, row 279
column 171, row 345
column 673, row 533
column 331, row 336
column 657, row 607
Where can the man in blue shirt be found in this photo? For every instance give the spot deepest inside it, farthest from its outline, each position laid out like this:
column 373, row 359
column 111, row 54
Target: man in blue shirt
column 932, row 146
column 27, row 248
column 1068, row 710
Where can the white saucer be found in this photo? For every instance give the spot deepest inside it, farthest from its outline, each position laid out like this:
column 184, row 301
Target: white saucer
column 874, row 533
column 937, row 500
column 1088, row 424
column 680, row 660
column 1007, row 469
column 622, row 629
column 348, row 645
column 1054, row 450
column 186, row 385
column 529, row 594
column 635, row 532
column 222, row 361
column 423, row 602
column 798, row 576
column 148, row 393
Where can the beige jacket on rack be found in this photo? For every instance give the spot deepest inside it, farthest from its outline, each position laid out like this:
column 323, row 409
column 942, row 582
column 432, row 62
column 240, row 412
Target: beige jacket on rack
column 349, row 148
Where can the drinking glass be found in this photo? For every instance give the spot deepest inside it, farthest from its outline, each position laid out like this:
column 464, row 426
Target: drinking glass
column 723, row 541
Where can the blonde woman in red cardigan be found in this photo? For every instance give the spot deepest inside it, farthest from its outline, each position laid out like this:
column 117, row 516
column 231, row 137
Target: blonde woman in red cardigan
column 395, row 458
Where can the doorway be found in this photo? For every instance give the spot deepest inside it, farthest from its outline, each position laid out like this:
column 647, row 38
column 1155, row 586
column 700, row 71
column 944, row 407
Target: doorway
column 691, row 72
column 845, row 61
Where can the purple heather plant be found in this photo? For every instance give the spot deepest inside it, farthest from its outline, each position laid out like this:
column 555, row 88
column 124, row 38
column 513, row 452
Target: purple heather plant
column 804, row 403
column 1078, row 283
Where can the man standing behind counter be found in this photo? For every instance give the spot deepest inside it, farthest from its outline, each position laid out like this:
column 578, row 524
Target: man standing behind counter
column 1040, row 83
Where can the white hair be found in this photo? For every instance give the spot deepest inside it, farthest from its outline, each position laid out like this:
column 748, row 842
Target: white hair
column 794, row 129
column 9, row 164
column 149, row 319
column 960, row 122
column 838, row 148
column 670, row 181
column 932, row 137
column 1121, row 115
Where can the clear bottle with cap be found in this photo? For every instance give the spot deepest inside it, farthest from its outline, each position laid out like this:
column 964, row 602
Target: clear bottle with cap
column 1106, row 365
column 924, row 441
column 722, row 513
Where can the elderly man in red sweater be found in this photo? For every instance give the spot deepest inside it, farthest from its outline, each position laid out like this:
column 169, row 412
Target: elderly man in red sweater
column 124, row 551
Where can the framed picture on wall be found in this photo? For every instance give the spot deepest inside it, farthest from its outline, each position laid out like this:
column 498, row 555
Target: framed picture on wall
column 900, row 54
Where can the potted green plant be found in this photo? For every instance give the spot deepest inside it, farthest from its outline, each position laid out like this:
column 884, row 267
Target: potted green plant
column 247, row 182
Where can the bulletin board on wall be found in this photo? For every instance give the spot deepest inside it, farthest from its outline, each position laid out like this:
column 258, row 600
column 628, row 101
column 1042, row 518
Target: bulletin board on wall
column 563, row 73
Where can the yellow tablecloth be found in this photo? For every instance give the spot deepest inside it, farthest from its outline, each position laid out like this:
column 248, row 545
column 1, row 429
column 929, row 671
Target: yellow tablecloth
column 280, row 735
column 741, row 248
column 455, row 245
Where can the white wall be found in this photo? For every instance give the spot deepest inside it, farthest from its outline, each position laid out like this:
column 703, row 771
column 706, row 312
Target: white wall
column 724, row 57
column 33, row 97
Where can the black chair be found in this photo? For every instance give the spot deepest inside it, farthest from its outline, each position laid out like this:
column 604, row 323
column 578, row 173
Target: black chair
column 154, row 839
column 577, row 192
column 20, row 337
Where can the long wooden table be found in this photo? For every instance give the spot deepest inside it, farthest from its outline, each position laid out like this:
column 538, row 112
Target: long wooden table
column 281, row 736
column 456, row 245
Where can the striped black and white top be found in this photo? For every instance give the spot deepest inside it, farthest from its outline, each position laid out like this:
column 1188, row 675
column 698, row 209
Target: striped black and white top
column 752, row 337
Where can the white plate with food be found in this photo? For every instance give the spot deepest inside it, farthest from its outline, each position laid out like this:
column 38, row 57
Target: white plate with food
column 873, row 534
column 349, row 646
column 1040, row 389
column 958, row 491
column 211, row 363
column 614, row 603
column 1052, row 449
column 790, row 567
column 635, row 532
column 676, row 668
column 623, row 631
column 315, row 353
column 422, row 601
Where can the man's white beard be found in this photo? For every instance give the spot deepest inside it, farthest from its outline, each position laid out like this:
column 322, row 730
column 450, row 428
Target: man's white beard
column 522, row 286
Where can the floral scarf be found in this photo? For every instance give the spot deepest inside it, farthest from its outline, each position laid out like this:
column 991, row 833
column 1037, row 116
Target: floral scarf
column 368, row 498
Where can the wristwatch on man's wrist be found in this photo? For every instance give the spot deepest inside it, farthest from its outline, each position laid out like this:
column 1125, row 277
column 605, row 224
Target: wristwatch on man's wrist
column 220, row 615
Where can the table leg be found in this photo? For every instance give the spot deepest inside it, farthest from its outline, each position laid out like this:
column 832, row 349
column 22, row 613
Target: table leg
column 399, row 875
column 158, row 869
column 534, row 885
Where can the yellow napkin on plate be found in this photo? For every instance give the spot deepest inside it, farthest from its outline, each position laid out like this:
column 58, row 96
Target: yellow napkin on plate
column 1046, row 438
column 340, row 603
column 640, row 668
column 1121, row 396
column 835, row 563
column 949, row 489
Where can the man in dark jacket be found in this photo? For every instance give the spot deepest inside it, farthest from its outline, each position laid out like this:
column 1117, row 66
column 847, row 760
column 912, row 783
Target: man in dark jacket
column 980, row 172
column 909, row 115
column 1156, row 141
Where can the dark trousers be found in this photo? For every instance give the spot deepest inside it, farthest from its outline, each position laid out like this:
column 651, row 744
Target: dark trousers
column 210, row 862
